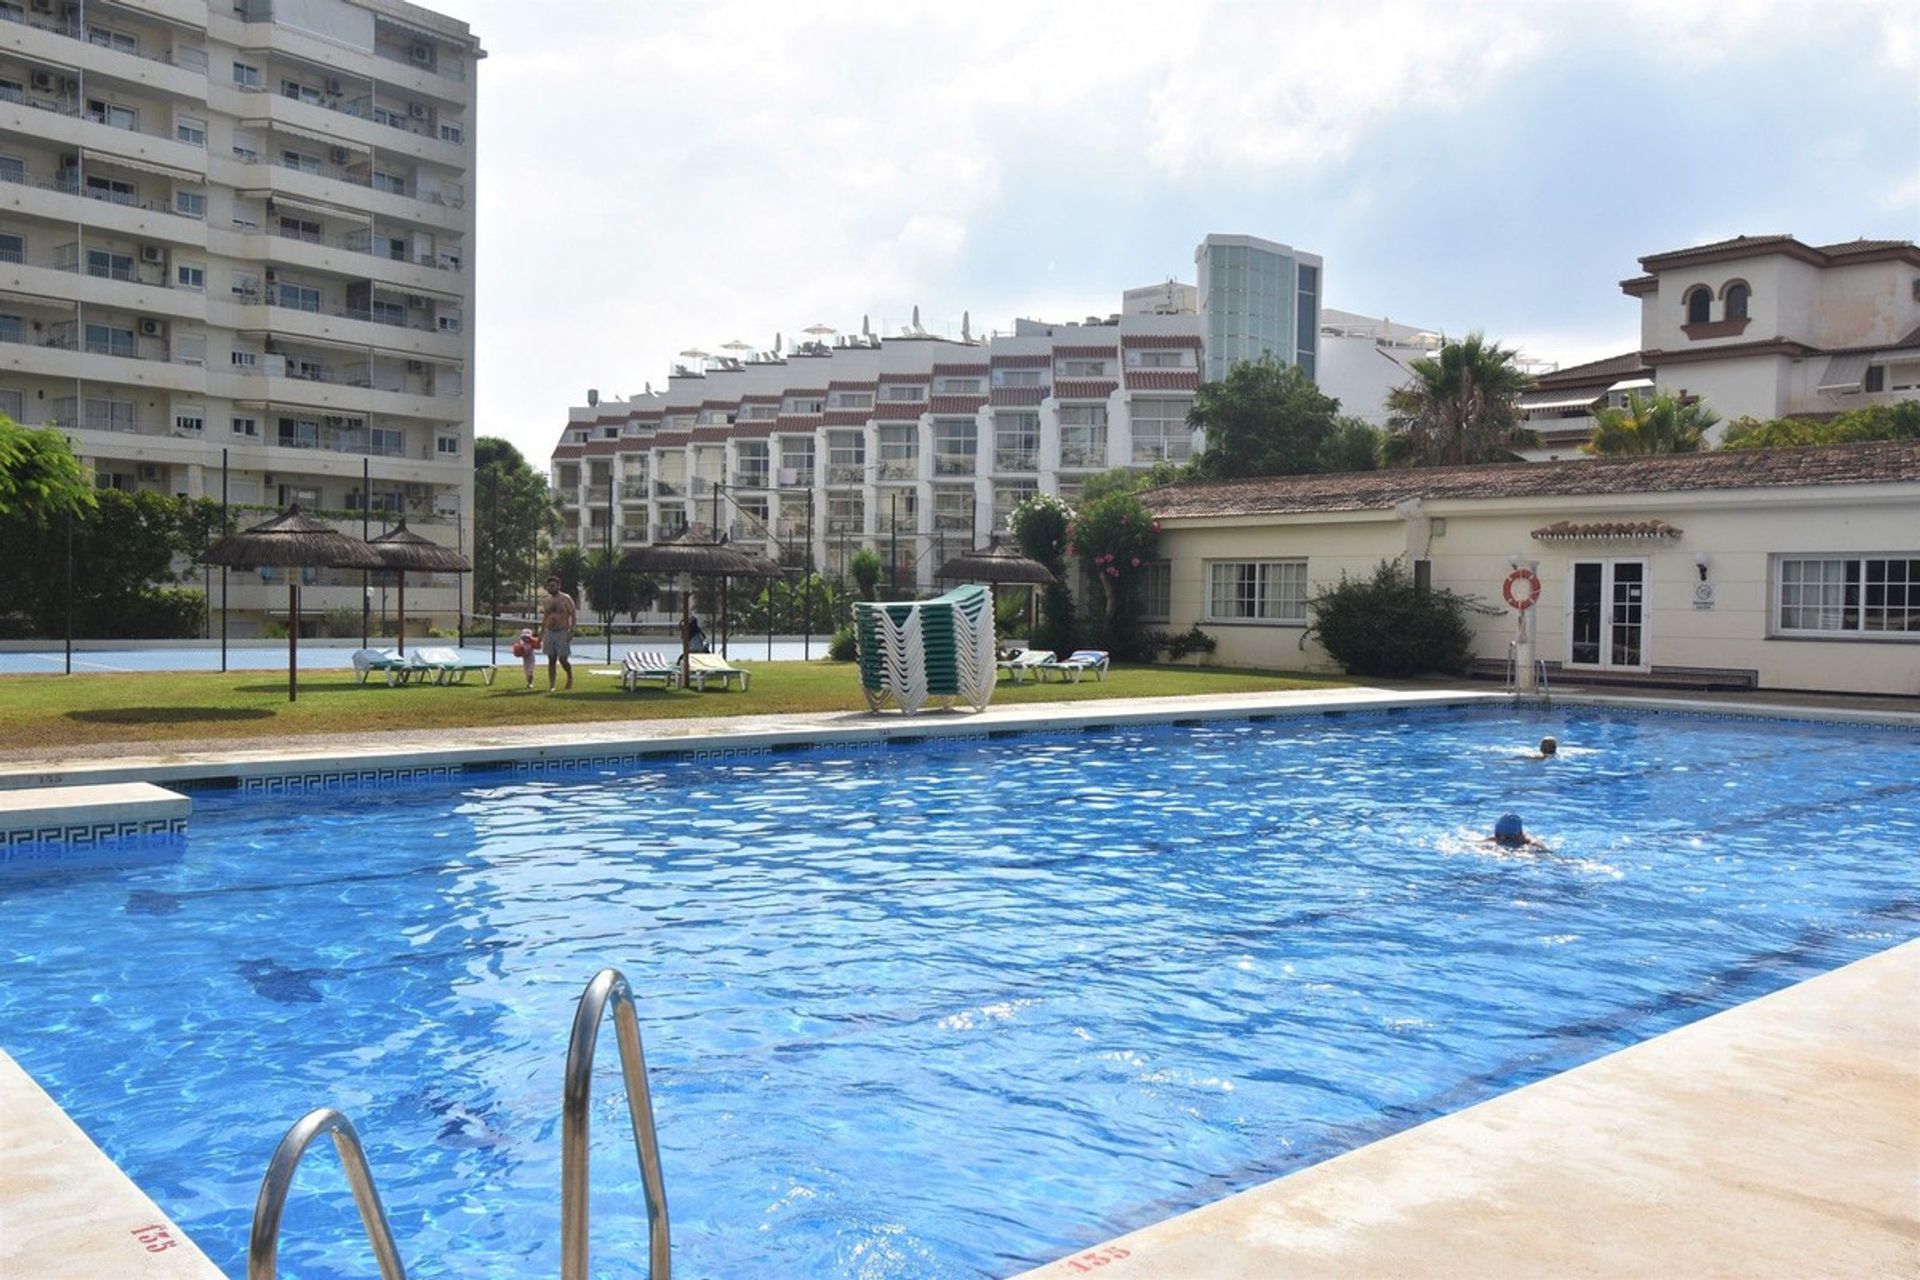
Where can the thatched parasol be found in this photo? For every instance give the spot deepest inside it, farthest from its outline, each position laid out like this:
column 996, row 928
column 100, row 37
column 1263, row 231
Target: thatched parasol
column 995, row 563
column 291, row 541
column 697, row 560
column 401, row 549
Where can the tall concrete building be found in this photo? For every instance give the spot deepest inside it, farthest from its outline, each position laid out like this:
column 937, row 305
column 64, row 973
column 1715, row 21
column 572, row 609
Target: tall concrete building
column 918, row 447
column 245, row 230
column 1260, row 298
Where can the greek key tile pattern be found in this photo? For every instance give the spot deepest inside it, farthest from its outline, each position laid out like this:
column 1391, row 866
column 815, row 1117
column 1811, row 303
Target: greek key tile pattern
column 89, row 834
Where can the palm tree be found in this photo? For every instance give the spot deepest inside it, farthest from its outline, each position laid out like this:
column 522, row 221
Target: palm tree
column 1660, row 425
column 1461, row 406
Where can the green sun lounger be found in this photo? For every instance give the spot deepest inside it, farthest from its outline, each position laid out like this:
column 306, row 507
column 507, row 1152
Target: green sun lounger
column 939, row 648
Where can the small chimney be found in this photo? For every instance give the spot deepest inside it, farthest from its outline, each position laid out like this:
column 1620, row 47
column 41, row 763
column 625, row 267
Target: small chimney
column 593, row 398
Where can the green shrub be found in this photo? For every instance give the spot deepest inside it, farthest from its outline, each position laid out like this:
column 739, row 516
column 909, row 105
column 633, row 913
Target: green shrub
column 1382, row 626
column 340, row 622
column 844, row 647
column 1176, row 647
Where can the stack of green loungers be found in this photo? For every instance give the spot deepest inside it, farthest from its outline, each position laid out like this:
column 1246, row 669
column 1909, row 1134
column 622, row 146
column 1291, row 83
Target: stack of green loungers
column 939, row 648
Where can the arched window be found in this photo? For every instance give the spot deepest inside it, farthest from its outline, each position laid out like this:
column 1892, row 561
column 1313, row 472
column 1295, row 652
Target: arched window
column 1736, row 293
column 1699, row 304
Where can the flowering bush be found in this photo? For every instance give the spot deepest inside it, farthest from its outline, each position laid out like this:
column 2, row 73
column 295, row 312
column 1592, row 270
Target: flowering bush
column 1114, row 537
column 1040, row 527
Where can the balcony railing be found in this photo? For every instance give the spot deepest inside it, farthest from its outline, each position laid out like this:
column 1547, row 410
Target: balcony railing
column 599, row 494
column 844, row 524
column 449, row 71
column 667, row 532
column 668, row 489
column 1146, row 452
column 899, row 469
column 751, row 478
column 953, row 464
column 360, row 241
column 1016, row 460
column 343, row 440
column 944, row 522
column 634, row 490
column 292, row 300
column 190, row 59
column 72, row 187
column 1083, row 455
column 846, row 473
column 802, row 478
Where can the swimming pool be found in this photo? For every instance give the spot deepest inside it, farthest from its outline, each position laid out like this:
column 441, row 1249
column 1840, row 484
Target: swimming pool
column 941, row 1009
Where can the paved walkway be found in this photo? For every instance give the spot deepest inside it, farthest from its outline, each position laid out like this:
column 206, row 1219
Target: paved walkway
column 1778, row 1139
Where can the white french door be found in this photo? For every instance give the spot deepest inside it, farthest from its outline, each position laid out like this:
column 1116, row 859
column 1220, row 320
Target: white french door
column 1607, row 615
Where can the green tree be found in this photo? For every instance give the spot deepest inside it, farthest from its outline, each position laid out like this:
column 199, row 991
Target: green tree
column 40, row 479
column 1114, row 537
column 791, row 603
column 600, row 573
column 1268, row 419
column 1383, row 625
column 1900, row 421
column 1660, row 424
column 510, row 497
column 1462, row 406
column 129, row 552
column 1040, row 528
column 1128, row 480
column 864, row 568
column 571, row 565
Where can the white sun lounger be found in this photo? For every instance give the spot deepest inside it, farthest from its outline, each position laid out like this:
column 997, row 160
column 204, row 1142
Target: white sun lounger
column 1027, row 660
column 1078, row 663
column 446, row 666
column 702, row 667
column 642, row 665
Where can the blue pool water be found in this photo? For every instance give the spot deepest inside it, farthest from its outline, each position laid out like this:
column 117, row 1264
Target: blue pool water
column 946, row 1009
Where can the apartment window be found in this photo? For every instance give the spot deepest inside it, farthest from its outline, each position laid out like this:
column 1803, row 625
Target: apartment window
column 192, row 420
column 300, row 229
column 1083, row 435
column 190, row 204
column 846, row 457
column 243, row 359
column 759, row 412
column 1016, row 377
column 803, row 404
column 1699, row 301
column 109, row 340
column 112, row 190
column 447, row 446
column 953, row 510
column 245, row 152
column 1160, row 431
column 1836, row 595
column 190, row 131
column 108, row 265
column 388, row 312
column 850, row 400
column 899, row 452
column 448, row 324
column 299, row 433
column 1156, row 591
column 1257, row 591
column 1157, row 359
column 298, row 297
column 246, row 427
column 957, row 386
column 12, row 403
column 900, row 391
column 245, row 286
column 108, row 415
column 13, row 329
column 299, row 92
column 188, row 276
column 450, row 133
column 1016, row 442
column 1007, row 498
column 113, row 115
column 846, row 513
column 1874, row 379
column 1737, row 295
column 246, row 75
column 13, row 247
column 1083, row 368
column 12, row 169
column 1901, row 377
column 107, row 38
column 955, row 443
column 388, row 442
column 391, row 183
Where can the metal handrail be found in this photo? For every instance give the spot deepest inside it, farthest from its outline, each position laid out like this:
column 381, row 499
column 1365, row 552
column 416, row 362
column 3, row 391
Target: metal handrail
column 263, row 1243
column 607, row 985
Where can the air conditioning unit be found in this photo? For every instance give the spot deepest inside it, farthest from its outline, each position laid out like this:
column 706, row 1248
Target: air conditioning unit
column 43, row 80
column 341, row 155
column 333, row 87
column 418, row 110
column 149, row 328
column 416, row 366
column 421, row 53
column 69, row 162
column 152, row 253
column 271, row 275
column 417, row 302
column 151, row 471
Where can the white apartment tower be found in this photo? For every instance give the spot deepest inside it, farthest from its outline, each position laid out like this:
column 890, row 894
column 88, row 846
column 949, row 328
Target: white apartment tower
column 246, row 229
column 918, row 447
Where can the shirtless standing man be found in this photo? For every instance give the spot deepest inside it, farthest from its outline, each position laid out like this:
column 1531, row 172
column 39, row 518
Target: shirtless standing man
column 556, row 631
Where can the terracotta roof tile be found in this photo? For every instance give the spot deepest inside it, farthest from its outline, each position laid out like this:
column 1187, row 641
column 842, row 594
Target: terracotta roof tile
column 1163, row 379
column 840, row 385
column 1160, row 340
column 1084, row 389
column 1607, row 531
column 1075, row 353
column 1023, row 362
column 710, row 434
column 771, row 399
column 796, row 422
column 1611, row 369
column 1847, row 248
column 847, row 417
column 1018, row 397
column 960, row 370
column 671, row 439
column 957, row 404
column 1873, row 463
column 899, row 410
column 568, row 450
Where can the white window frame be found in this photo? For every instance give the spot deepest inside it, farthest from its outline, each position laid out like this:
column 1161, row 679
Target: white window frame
column 1286, row 593
column 446, row 446
column 190, row 202
column 190, row 275
column 246, row 75
column 1156, row 591
column 191, row 130
column 189, row 417
column 249, row 427
column 1850, row 615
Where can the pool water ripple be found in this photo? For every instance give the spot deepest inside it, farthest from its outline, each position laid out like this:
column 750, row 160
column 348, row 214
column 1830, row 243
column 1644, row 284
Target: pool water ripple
column 947, row 1009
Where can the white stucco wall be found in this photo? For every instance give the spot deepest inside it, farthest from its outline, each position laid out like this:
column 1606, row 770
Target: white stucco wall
column 1738, row 386
column 1737, row 531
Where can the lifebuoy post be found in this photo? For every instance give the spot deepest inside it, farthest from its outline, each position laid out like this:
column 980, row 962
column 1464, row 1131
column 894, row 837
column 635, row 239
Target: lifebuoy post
column 1521, row 591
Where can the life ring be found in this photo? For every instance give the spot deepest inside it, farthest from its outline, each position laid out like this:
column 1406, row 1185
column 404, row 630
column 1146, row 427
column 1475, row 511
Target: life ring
column 1532, row 597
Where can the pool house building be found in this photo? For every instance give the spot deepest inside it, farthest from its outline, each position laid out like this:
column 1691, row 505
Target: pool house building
column 1778, row 569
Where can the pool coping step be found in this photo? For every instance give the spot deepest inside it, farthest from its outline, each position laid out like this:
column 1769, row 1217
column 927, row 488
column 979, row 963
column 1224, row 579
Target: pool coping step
column 89, row 814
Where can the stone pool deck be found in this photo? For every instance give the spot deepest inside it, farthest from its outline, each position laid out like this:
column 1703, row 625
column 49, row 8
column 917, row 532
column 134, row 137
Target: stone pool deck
column 1780, row 1138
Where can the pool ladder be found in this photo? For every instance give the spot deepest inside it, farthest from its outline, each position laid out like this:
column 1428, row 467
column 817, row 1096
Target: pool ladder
column 1539, row 674
column 608, row 986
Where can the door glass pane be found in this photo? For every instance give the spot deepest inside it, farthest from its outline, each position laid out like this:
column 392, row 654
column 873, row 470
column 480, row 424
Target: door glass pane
column 1629, row 605
column 1586, row 613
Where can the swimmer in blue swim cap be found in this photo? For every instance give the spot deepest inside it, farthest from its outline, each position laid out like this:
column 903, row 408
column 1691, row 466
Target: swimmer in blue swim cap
column 1510, row 833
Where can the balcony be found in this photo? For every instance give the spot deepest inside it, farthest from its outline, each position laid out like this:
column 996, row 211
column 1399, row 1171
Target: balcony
column 844, row 525
column 952, row 522
column 191, row 60
column 633, row 490
column 897, row 469
column 953, row 464
column 668, row 532
column 598, row 495
column 669, row 488
column 354, row 440
column 846, row 473
column 750, row 478
column 796, row 477
column 1093, row 455
column 1016, row 460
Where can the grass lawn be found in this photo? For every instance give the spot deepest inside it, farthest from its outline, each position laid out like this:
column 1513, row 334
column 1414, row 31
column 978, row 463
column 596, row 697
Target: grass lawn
column 54, row 711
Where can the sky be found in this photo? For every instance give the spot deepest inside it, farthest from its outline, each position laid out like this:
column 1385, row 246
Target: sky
column 655, row 177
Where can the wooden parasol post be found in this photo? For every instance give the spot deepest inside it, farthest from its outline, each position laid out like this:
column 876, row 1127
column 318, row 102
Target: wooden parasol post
column 293, row 635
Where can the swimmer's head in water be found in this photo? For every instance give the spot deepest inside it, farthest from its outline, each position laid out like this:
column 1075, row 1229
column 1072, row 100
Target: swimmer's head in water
column 1509, row 830
column 1548, row 746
